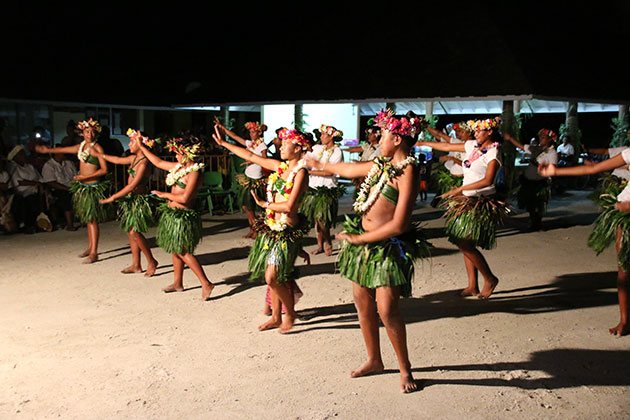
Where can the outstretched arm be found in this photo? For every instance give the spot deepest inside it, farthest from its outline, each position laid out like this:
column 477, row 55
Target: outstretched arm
column 156, row 161
column 267, row 163
column 114, row 159
column 346, row 170
column 444, row 147
column 40, row 148
column 516, row 143
column 604, row 166
column 439, row 135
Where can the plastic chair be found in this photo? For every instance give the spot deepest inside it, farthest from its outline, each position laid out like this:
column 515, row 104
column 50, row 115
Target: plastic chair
column 213, row 186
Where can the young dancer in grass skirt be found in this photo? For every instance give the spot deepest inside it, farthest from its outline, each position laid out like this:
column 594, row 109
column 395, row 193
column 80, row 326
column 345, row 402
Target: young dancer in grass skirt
column 613, row 225
column 472, row 212
column 379, row 248
column 277, row 244
column 89, row 187
column 450, row 174
column 135, row 206
column 179, row 228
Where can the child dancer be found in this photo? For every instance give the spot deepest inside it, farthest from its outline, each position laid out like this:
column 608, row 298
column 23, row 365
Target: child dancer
column 179, row 229
column 277, row 244
column 613, row 225
column 89, row 187
column 379, row 250
column 135, row 211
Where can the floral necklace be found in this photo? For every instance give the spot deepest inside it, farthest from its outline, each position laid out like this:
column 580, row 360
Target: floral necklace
column 82, row 154
column 477, row 153
column 379, row 175
column 253, row 144
column 177, row 173
column 325, row 154
column 275, row 184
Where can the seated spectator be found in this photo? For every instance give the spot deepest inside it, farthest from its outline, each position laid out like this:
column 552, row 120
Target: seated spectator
column 28, row 198
column 7, row 221
column 58, row 173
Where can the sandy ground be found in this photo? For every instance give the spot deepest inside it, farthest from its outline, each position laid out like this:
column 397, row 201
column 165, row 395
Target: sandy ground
column 80, row 341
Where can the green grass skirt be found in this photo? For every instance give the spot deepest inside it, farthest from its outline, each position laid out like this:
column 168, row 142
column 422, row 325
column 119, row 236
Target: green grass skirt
column 179, row 230
column 534, row 194
column 136, row 211
column 605, row 232
column 385, row 263
column 609, row 185
column 85, row 200
column 445, row 180
column 321, row 205
column 474, row 219
column 279, row 248
column 245, row 186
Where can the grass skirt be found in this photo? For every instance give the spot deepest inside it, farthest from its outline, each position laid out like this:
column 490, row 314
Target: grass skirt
column 385, row 263
column 534, row 194
column 474, row 219
column 275, row 248
column 445, row 180
column 85, row 199
column 245, row 186
column 609, row 185
column 321, row 205
column 179, row 230
column 136, row 211
column 605, row 232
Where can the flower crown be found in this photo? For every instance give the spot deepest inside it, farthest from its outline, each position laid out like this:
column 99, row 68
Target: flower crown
column 488, row 124
column 89, row 124
column 330, row 130
column 295, row 137
column 549, row 133
column 373, row 130
column 136, row 135
column 461, row 126
column 402, row 126
column 255, row 125
column 188, row 151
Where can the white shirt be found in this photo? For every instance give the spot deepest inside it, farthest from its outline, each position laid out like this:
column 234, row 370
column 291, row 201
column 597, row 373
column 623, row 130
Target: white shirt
column 370, row 152
column 62, row 172
column 540, row 156
column 625, row 194
column 477, row 170
column 567, row 149
column 622, row 172
column 333, row 155
column 24, row 173
column 4, row 177
column 455, row 168
column 254, row 171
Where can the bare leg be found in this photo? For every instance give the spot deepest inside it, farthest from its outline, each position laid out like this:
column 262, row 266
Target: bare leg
column 285, row 295
column 251, row 219
column 320, row 240
column 89, row 238
column 276, row 306
column 93, row 234
column 142, row 244
column 326, row 240
column 364, row 301
column 473, row 275
column 490, row 281
column 267, row 306
column 622, row 291
column 69, row 215
column 178, row 273
column 206, row 286
column 135, row 266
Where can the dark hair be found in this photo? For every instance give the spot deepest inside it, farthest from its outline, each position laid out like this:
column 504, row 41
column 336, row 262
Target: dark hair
column 411, row 140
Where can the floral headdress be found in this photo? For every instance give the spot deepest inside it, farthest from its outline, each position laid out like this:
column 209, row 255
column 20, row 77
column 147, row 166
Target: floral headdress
column 373, row 130
column 189, row 147
column 480, row 125
column 330, row 130
column 295, row 137
column 89, row 124
column 549, row 133
column 256, row 126
column 461, row 126
column 136, row 135
column 402, row 126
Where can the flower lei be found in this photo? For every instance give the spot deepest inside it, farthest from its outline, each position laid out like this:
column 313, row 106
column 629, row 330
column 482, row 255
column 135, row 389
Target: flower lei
column 284, row 187
column 477, row 153
column 379, row 175
column 90, row 123
column 82, row 154
column 177, row 173
column 326, row 153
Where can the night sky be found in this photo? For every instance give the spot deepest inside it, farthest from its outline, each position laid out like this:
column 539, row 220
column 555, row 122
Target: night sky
column 277, row 52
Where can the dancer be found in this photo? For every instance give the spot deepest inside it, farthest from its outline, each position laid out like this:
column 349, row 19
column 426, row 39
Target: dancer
column 535, row 190
column 277, row 244
column 613, row 225
column 89, row 187
column 179, row 228
column 135, row 210
column 379, row 249
column 321, row 202
column 473, row 213
column 253, row 179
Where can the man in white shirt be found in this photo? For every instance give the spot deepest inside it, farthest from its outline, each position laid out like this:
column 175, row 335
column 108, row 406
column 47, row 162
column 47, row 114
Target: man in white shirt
column 58, row 173
column 565, row 152
column 28, row 187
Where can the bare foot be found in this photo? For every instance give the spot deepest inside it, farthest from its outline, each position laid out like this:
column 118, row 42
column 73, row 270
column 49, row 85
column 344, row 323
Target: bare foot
column 368, row 368
column 151, row 269
column 287, row 323
column 172, row 288
column 84, row 253
column 488, row 288
column 317, row 251
column 131, row 269
column 266, row 310
column 328, row 249
column 307, row 258
column 469, row 292
column 407, row 383
column 620, row 329
column 269, row 325
column 206, row 291
column 91, row 258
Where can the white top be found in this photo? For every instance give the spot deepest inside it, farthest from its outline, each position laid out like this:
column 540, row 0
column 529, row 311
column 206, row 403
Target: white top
column 625, row 194
column 566, row 149
column 455, row 168
column 370, row 152
column 477, row 170
column 62, row 173
column 254, row 171
column 622, row 172
column 24, row 173
column 333, row 155
column 540, row 156
column 4, row 177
